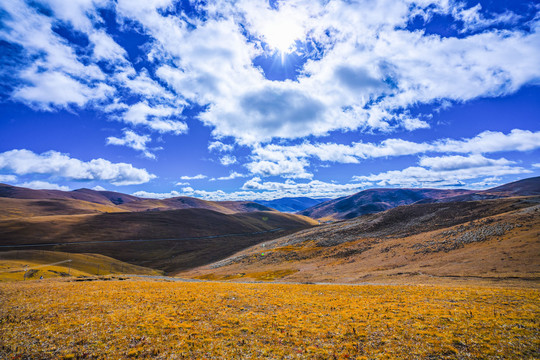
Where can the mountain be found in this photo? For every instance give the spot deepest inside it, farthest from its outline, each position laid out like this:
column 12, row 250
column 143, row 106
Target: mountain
column 168, row 240
column 486, row 241
column 19, row 201
column 291, row 204
column 376, row 200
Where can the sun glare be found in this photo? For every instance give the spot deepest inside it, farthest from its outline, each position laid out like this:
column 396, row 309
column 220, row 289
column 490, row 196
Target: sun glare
column 281, row 34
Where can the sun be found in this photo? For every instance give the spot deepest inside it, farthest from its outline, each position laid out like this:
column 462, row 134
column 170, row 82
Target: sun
column 281, row 34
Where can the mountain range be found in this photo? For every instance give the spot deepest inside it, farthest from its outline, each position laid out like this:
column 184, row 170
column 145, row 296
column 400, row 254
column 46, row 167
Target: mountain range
column 374, row 235
column 376, row 200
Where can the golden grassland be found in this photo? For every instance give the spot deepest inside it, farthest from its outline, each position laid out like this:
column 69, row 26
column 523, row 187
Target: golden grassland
column 176, row 320
column 53, row 264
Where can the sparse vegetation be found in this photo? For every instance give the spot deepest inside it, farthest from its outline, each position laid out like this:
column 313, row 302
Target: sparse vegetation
column 33, row 264
column 465, row 234
column 165, row 320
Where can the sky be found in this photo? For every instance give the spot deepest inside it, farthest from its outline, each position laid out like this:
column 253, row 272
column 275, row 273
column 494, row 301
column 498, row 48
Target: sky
column 254, row 99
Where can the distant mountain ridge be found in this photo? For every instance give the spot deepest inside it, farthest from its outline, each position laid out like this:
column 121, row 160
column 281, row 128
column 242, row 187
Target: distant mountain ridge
column 83, row 201
column 291, row 204
column 377, row 200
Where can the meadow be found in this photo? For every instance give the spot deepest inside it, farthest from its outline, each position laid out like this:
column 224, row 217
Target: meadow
column 69, row 319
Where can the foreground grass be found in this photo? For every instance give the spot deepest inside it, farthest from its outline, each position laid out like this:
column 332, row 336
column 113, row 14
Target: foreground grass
column 175, row 320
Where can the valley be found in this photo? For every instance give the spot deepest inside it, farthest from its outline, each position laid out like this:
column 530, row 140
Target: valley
column 444, row 277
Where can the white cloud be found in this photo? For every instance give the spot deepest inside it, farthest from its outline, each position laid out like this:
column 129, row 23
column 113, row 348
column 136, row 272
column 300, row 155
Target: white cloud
column 473, row 19
column 55, row 77
column 152, row 195
column 99, row 188
column 156, row 118
column 228, row 160
column 8, row 178
column 537, row 165
column 486, row 183
column 365, row 72
column 444, row 171
column 53, row 163
column 142, row 84
column 457, row 162
column 37, row 184
column 220, row 147
column 365, row 47
column 288, row 160
column 134, row 141
column 293, row 168
column 196, row 177
column 492, row 141
column 47, row 90
column 231, row 176
column 314, row 188
column 257, row 189
column 181, row 183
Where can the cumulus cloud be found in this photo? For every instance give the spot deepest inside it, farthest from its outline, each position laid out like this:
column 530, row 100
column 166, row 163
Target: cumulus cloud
column 56, row 77
column 153, row 195
column 8, row 178
column 99, row 188
column 444, row 171
column 368, row 69
column 362, row 70
column 134, row 141
column 231, row 176
column 313, row 188
column 228, row 160
column 38, row 184
column 457, row 162
column 492, row 141
column 289, row 167
column 196, row 177
column 157, row 118
column 54, row 163
column 292, row 160
column 220, row 147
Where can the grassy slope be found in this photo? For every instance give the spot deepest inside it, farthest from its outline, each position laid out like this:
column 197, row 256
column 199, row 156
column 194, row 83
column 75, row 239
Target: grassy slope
column 24, row 208
column 165, row 255
column 49, row 264
column 487, row 240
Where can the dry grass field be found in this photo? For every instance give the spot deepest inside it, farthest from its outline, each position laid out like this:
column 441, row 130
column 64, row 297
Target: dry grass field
column 53, row 319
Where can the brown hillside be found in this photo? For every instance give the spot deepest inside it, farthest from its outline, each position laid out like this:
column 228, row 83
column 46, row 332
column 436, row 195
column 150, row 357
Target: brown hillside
column 56, row 202
column 171, row 240
column 490, row 240
column 16, row 208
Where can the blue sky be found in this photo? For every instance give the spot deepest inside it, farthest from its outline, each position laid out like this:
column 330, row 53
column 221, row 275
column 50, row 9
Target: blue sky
column 257, row 99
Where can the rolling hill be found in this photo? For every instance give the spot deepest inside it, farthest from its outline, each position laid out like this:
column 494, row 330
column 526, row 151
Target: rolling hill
column 19, row 265
column 291, row 204
column 376, row 200
column 22, row 202
column 489, row 240
column 168, row 240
